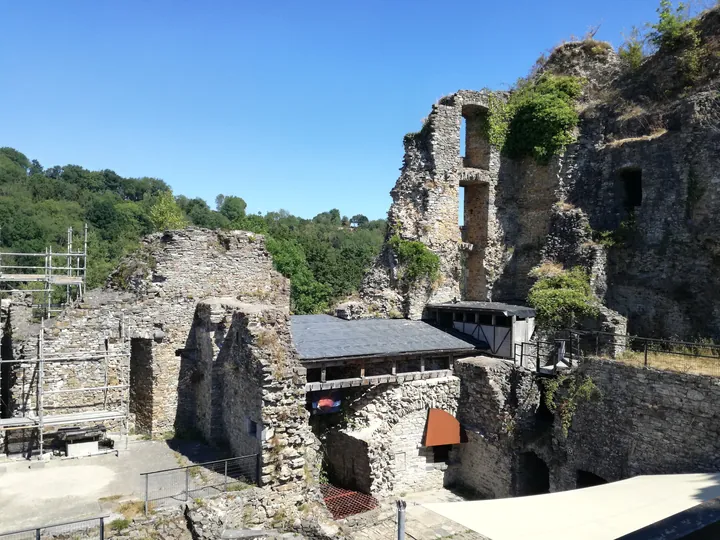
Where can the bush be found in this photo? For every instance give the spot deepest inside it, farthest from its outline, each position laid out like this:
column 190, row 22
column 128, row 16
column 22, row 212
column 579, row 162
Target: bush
column 560, row 299
column 674, row 29
column 416, row 259
column 538, row 119
column 632, row 51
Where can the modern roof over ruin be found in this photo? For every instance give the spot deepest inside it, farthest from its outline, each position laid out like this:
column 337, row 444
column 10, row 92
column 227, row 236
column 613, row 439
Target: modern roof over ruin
column 323, row 336
column 488, row 307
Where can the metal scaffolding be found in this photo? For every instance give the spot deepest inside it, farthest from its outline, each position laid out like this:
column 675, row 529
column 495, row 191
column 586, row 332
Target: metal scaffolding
column 111, row 398
column 112, row 409
column 67, row 269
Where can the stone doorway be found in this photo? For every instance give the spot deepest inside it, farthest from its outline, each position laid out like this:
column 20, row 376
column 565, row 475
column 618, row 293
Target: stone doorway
column 533, row 475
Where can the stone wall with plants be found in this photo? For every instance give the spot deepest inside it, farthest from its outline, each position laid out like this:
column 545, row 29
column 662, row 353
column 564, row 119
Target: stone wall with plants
column 497, row 408
column 629, row 421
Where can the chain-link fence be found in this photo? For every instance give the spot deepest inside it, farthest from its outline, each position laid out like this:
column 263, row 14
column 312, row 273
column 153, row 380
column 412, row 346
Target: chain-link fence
column 86, row 529
column 201, row 480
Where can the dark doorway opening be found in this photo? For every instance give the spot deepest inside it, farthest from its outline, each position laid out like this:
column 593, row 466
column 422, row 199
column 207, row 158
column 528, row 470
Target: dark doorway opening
column 6, row 375
column 533, row 475
column 587, row 479
column 441, row 453
column 141, row 384
column 630, row 188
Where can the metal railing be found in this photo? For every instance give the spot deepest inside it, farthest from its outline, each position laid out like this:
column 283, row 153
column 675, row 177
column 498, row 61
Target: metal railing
column 665, row 354
column 84, row 528
column 201, row 480
column 543, row 355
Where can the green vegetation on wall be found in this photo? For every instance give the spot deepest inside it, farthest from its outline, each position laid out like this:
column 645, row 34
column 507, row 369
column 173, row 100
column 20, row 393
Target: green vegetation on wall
column 563, row 394
column 561, row 297
column 324, row 257
column 538, row 119
column 416, row 259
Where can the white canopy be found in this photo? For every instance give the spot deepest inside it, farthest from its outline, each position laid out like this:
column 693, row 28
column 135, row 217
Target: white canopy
column 596, row 513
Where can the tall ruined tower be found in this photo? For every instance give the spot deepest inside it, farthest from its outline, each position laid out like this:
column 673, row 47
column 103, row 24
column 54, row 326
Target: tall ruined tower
column 633, row 201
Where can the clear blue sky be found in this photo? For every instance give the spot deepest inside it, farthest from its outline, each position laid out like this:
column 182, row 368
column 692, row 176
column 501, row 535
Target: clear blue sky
column 294, row 105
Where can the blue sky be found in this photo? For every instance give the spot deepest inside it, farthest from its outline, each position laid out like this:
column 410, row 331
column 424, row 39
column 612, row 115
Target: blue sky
column 294, row 105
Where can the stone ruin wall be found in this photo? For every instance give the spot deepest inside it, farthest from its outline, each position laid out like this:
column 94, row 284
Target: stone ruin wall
column 154, row 292
column 245, row 368
column 380, row 450
column 664, row 278
column 645, row 422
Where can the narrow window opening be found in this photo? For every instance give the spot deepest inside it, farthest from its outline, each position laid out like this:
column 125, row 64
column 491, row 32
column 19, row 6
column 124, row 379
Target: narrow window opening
column 630, row 188
column 476, row 151
column 441, row 454
column 252, row 428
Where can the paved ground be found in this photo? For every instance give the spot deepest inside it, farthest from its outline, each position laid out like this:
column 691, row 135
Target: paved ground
column 596, row 513
column 420, row 523
column 34, row 493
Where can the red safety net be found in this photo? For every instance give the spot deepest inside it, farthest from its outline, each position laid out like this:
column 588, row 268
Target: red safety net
column 343, row 502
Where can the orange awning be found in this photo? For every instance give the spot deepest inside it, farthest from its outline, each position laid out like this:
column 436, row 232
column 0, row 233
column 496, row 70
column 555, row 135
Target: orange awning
column 443, row 428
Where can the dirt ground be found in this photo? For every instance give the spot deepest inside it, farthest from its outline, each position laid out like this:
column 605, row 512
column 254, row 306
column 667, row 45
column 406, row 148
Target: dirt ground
column 36, row 493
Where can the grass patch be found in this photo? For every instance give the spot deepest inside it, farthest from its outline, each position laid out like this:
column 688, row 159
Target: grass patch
column 110, row 498
column 672, row 362
column 131, row 509
column 237, row 486
column 119, row 524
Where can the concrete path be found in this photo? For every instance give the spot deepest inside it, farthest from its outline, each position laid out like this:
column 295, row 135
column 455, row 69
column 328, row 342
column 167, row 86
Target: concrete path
column 420, row 523
column 598, row 513
column 36, row 493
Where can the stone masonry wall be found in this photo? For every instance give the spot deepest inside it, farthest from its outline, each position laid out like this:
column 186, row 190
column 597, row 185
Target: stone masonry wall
column 387, row 422
column 646, row 422
column 497, row 406
column 249, row 389
column 154, row 291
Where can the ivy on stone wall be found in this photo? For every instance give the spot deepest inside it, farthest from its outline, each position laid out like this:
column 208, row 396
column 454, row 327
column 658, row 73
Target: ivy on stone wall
column 415, row 258
column 561, row 297
column 538, row 119
column 563, row 394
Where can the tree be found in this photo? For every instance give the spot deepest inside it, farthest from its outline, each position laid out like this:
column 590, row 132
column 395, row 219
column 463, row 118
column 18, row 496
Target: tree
column 359, row 220
column 165, row 214
column 233, row 208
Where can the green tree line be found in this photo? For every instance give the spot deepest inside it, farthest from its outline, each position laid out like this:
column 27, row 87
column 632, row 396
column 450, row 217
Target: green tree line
column 324, row 257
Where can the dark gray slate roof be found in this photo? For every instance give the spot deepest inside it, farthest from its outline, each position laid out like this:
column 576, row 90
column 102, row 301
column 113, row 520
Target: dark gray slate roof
column 490, row 307
column 324, row 336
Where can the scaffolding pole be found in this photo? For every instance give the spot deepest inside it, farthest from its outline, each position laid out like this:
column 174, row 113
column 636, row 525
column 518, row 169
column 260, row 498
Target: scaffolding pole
column 70, row 273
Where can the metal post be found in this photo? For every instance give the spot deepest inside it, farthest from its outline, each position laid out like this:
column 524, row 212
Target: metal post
column 258, row 469
column 41, row 377
column 646, row 356
column 187, row 483
column 537, row 356
column 597, row 344
column 37, row 534
column 84, row 274
column 102, row 528
column 147, row 477
column 401, row 505
column 49, row 282
column 225, row 482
